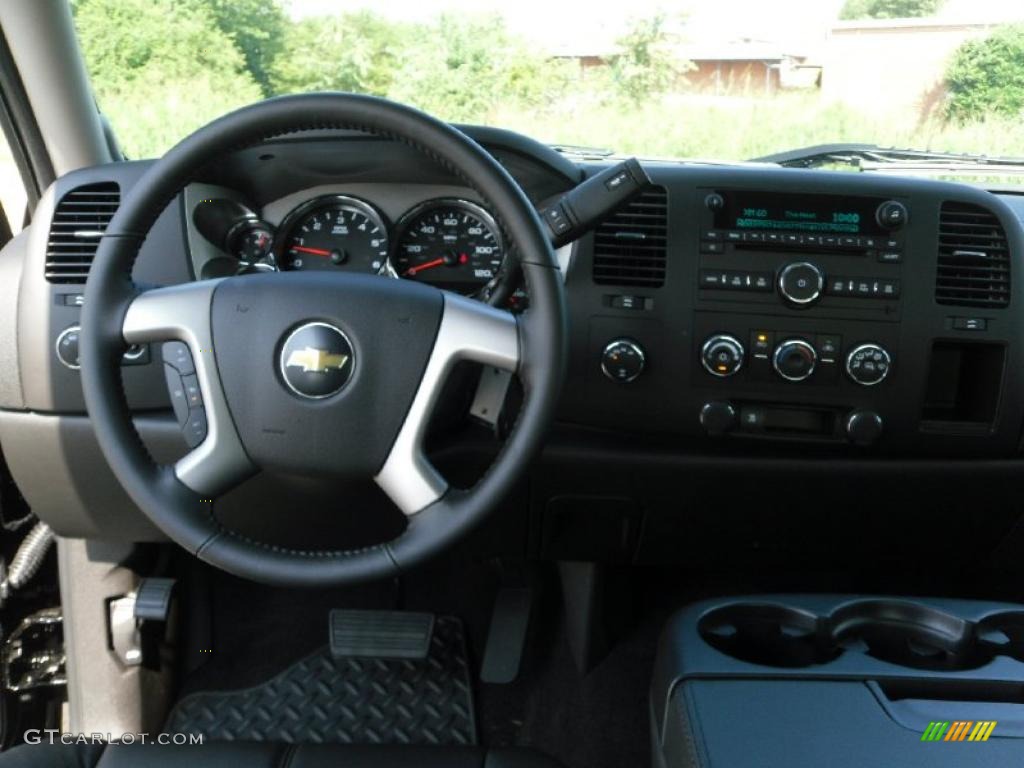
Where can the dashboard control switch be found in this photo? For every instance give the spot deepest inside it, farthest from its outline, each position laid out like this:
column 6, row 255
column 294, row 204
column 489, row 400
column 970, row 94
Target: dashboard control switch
column 718, row 418
column 801, row 283
column 722, row 355
column 892, row 214
column 67, row 347
column 863, row 428
column 714, row 202
column 623, row 361
column 868, row 364
column 794, row 360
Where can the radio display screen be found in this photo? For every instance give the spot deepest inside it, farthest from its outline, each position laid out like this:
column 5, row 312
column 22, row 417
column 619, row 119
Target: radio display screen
column 825, row 214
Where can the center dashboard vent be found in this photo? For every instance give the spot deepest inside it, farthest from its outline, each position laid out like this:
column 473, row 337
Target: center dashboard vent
column 79, row 220
column 974, row 258
column 630, row 246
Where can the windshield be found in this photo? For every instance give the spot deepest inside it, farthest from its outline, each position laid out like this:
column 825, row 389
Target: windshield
column 715, row 79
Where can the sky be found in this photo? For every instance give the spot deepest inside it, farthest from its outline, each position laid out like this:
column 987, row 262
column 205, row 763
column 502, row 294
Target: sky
column 574, row 24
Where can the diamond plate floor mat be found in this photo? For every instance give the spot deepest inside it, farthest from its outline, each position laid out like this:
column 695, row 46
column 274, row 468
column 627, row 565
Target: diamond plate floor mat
column 321, row 699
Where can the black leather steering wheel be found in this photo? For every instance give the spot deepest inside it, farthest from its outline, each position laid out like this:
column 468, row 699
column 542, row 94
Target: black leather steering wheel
column 269, row 349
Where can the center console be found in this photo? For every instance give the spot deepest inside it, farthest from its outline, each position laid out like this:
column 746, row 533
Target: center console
column 801, row 680
column 866, row 313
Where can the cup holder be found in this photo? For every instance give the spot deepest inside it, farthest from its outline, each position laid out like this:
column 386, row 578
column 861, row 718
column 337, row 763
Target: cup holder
column 900, row 632
column 768, row 634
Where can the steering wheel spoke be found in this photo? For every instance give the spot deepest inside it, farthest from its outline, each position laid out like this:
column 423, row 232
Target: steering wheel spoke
column 182, row 313
column 470, row 331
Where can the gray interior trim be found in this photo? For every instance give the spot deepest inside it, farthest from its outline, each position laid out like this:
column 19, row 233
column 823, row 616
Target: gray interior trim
column 41, row 36
column 12, row 260
column 469, row 331
column 104, row 696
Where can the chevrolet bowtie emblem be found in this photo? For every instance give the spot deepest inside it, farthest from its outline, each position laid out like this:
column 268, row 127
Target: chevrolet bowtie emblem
column 312, row 360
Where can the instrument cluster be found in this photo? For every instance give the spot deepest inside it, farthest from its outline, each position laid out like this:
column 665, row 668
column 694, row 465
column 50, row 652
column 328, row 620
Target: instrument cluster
column 449, row 242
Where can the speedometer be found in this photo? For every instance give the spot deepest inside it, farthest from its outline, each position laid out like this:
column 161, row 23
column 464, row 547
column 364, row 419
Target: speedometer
column 452, row 244
column 334, row 232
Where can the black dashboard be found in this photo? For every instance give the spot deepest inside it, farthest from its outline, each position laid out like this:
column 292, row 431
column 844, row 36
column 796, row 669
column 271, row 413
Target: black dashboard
column 742, row 313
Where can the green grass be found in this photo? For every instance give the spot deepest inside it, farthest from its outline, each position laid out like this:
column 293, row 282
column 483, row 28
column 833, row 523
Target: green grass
column 720, row 128
column 742, row 128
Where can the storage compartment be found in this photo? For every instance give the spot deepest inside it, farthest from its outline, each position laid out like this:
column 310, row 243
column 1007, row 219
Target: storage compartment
column 963, row 386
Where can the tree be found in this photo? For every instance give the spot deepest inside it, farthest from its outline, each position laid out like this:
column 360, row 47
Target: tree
column 462, row 68
column 160, row 68
column 646, row 63
column 889, row 9
column 258, row 28
column 986, row 77
column 357, row 52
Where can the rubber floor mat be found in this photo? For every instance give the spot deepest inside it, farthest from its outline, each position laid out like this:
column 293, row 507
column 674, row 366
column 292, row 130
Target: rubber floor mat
column 321, row 699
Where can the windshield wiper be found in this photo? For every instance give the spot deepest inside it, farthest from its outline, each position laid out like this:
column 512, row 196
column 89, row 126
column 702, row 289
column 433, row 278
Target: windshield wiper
column 870, row 157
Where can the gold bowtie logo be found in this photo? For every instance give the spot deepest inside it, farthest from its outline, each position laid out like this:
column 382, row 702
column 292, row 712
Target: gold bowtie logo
column 312, row 360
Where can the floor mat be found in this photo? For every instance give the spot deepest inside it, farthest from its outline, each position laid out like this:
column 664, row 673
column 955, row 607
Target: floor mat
column 321, row 699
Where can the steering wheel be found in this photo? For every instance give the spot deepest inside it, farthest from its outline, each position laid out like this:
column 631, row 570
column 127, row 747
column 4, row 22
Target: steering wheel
column 327, row 375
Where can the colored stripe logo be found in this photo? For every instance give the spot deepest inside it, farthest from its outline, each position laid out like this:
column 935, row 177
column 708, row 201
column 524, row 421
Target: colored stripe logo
column 959, row 730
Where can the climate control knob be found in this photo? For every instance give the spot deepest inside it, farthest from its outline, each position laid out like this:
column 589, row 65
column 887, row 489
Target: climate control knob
column 622, row 360
column 794, row 360
column 868, row 364
column 801, row 283
column 722, row 355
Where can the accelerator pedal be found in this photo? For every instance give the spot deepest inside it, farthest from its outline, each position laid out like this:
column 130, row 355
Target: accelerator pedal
column 381, row 634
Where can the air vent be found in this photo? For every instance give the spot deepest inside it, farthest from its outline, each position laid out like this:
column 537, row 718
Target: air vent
column 630, row 245
column 974, row 258
column 79, row 220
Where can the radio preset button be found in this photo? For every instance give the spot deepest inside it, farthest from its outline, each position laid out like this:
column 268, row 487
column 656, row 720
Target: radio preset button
column 722, row 355
column 801, row 283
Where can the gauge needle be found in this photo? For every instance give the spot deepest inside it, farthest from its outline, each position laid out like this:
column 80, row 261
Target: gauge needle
column 427, row 265
column 314, row 251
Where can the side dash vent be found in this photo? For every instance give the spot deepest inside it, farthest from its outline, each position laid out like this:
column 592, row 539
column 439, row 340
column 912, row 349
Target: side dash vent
column 974, row 258
column 630, row 246
column 79, row 220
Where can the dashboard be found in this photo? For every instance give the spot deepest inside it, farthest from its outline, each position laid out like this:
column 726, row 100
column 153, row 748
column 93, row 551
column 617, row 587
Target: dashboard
column 729, row 316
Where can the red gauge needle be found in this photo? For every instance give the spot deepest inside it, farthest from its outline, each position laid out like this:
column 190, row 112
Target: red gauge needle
column 427, row 265
column 314, row 251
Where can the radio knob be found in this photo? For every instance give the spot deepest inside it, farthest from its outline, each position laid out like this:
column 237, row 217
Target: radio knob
column 868, row 364
column 794, row 360
column 722, row 355
column 892, row 214
column 623, row 361
column 801, row 283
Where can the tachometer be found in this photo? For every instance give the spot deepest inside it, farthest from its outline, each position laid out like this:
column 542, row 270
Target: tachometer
column 334, row 232
column 452, row 244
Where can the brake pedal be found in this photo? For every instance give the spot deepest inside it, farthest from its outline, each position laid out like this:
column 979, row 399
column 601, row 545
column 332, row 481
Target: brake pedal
column 381, row 634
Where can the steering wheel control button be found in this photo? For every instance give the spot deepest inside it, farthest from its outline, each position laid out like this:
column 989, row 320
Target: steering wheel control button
column 195, row 427
column 722, row 355
column 801, row 283
column 176, row 389
column 316, row 360
column 623, row 361
column 718, row 418
column 176, row 354
column 794, row 360
column 892, row 214
column 67, row 347
column 192, row 393
column 868, row 364
column 863, row 428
